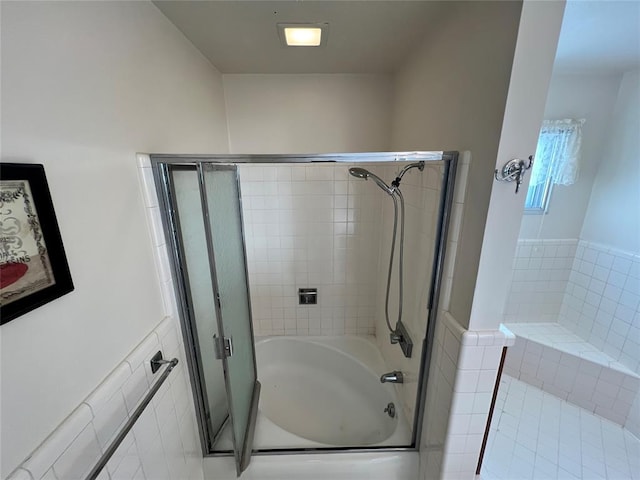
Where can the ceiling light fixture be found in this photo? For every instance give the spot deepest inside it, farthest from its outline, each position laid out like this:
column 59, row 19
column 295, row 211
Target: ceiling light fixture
column 303, row 34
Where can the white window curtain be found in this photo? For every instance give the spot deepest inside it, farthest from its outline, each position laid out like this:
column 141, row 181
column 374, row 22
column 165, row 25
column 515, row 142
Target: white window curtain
column 558, row 152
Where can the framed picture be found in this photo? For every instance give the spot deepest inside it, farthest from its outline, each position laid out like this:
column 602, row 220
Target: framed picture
column 33, row 265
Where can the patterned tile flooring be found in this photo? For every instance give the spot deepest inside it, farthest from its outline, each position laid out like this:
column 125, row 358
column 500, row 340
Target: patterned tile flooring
column 535, row 435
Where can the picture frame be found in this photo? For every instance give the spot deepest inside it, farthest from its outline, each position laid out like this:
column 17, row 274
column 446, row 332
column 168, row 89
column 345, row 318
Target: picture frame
column 33, row 264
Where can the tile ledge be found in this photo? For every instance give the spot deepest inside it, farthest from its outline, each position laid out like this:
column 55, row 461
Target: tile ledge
column 485, row 338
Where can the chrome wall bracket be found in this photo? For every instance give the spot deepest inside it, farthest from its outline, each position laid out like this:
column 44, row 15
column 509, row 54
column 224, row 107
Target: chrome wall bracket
column 157, row 361
column 514, row 170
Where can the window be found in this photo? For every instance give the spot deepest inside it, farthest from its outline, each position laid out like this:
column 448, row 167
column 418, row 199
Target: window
column 556, row 162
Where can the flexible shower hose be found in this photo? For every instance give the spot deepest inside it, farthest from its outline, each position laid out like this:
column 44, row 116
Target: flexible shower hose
column 400, row 259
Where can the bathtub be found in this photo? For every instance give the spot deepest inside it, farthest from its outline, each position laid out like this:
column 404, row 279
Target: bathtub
column 325, row 392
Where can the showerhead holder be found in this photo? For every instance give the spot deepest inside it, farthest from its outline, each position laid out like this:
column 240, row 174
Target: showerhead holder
column 398, row 179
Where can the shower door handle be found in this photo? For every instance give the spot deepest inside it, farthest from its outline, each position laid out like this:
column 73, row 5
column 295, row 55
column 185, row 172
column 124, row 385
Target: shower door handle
column 223, row 347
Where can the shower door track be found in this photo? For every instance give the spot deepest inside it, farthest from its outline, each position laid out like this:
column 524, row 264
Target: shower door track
column 449, row 158
column 312, row 451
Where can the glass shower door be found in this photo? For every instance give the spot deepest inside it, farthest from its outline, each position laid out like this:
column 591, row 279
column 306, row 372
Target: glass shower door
column 198, row 292
column 220, row 195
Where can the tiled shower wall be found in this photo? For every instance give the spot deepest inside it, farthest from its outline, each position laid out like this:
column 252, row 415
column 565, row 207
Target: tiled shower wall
column 306, row 226
column 602, row 301
column 541, row 270
column 591, row 289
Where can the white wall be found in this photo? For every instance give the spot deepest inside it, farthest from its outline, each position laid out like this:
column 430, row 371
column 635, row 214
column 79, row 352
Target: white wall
column 612, row 215
column 308, row 113
column 530, row 77
column 85, row 86
column 448, row 96
column 591, row 97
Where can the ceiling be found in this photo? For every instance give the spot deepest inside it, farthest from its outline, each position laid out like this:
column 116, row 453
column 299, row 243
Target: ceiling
column 599, row 36
column 364, row 36
column 240, row 36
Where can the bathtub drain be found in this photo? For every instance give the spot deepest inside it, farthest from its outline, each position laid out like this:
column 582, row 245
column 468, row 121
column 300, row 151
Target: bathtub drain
column 390, row 410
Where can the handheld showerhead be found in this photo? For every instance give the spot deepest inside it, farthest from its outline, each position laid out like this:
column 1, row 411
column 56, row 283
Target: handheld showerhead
column 359, row 172
column 365, row 174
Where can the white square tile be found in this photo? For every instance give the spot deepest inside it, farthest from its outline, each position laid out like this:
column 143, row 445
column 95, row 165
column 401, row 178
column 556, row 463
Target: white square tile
column 621, row 264
column 470, row 356
column 466, row 380
column 491, row 358
column 109, row 419
column 109, row 386
column 135, row 388
column 462, row 403
column 477, row 423
column 456, row 443
column 126, row 448
column 459, row 424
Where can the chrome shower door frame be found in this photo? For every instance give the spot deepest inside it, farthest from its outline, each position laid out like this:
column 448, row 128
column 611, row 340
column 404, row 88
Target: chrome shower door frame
column 449, row 158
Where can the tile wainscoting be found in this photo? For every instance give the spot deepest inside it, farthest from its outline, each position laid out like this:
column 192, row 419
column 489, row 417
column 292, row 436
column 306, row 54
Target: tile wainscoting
column 463, row 374
column 163, row 444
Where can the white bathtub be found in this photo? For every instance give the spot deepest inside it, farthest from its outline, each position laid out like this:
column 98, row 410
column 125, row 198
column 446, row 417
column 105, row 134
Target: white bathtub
column 325, row 391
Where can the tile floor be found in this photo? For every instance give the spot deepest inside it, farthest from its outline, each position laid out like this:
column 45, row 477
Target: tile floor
column 535, row 435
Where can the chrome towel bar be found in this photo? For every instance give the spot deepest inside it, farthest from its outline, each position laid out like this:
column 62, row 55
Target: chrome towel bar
column 155, row 363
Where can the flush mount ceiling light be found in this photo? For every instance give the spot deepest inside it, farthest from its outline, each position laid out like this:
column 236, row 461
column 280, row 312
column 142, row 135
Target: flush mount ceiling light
column 303, row 34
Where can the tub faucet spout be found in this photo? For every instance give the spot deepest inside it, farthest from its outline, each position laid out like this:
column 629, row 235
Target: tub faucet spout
column 392, row 377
